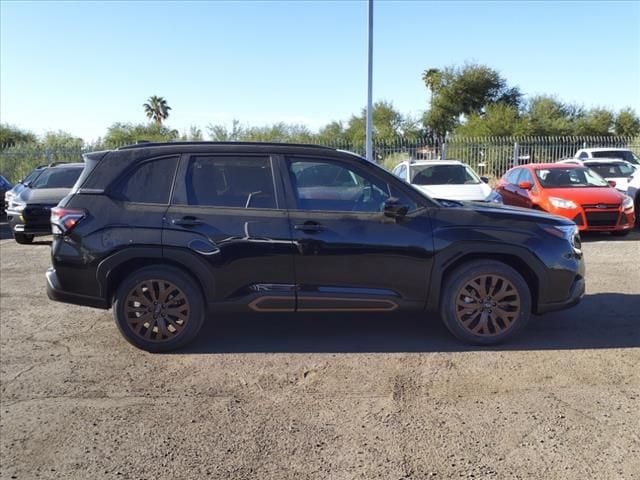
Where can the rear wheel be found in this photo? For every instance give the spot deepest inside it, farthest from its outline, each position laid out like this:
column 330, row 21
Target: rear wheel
column 159, row 309
column 485, row 302
column 23, row 238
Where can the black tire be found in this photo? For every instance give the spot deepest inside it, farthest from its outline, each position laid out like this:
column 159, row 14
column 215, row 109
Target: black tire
column 147, row 325
column 463, row 309
column 620, row 233
column 23, row 238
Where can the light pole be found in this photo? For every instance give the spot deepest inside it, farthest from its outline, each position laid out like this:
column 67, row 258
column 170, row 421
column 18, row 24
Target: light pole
column 369, row 90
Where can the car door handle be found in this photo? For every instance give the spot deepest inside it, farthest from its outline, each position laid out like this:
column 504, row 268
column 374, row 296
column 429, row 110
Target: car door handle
column 309, row 227
column 187, row 222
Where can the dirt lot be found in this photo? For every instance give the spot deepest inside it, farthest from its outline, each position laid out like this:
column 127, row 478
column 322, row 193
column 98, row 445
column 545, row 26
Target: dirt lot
column 326, row 397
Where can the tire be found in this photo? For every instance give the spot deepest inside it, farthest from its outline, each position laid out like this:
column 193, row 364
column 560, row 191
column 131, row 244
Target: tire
column 23, row 238
column 172, row 322
column 506, row 288
column 620, row 233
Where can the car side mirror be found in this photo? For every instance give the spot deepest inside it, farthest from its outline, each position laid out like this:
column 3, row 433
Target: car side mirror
column 612, row 183
column 485, row 179
column 525, row 185
column 394, row 209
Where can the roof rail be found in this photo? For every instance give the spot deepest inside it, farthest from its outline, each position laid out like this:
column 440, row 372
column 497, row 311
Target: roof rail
column 145, row 144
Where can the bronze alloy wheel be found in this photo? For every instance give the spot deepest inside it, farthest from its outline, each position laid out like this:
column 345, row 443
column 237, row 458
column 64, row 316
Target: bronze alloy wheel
column 156, row 310
column 487, row 305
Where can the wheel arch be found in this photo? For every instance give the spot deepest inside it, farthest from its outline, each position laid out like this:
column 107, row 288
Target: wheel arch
column 519, row 259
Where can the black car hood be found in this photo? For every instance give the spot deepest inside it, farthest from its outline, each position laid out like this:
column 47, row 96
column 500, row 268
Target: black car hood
column 506, row 212
column 43, row 195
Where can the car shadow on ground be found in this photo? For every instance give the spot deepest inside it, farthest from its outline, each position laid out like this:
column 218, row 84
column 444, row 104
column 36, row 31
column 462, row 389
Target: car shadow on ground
column 605, row 320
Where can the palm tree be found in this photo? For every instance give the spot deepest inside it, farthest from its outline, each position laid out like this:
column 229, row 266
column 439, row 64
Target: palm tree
column 432, row 79
column 156, row 109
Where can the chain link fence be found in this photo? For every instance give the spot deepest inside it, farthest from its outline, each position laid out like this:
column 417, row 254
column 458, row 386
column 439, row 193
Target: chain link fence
column 490, row 156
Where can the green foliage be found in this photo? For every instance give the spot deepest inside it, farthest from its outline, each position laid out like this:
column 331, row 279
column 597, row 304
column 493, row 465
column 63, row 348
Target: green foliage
column 120, row 134
column 194, row 135
column 627, row 123
column 597, row 122
column 156, row 109
column 499, row 120
column 10, row 136
column 466, row 90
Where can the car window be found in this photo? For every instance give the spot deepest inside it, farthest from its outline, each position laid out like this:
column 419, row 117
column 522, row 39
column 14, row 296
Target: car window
column 609, row 170
column 569, row 177
column 57, row 178
column 525, row 176
column 238, row 182
column 621, row 154
column 150, row 182
column 584, row 155
column 330, row 185
column 443, row 175
column 512, row 176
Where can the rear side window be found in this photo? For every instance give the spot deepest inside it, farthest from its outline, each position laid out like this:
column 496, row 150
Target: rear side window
column 58, row 178
column 150, row 182
column 238, row 182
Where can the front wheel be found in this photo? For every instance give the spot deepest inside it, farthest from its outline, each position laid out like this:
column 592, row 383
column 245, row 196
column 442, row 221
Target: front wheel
column 159, row 309
column 485, row 302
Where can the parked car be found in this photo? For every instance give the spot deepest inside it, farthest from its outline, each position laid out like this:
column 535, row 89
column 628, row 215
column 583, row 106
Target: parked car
column 18, row 187
column 619, row 153
column 5, row 186
column 166, row 233
column 28, row 212
column 616, row 172
column 633, row 191
column 447, row 179
column 572, row 191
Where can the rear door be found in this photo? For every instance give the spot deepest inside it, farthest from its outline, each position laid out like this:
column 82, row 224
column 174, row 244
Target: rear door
column 349, row 255
column 228, row 210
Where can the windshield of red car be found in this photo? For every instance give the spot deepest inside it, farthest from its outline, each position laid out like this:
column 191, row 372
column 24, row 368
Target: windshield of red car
column 569, row 177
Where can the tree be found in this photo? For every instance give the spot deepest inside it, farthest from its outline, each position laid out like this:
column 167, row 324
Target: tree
column 156, row 109
column 11, row 136
column 627, row 123
column 464, row 91
column 549, row 116
column 598, row 122
column 120, row 134
column 499, row 120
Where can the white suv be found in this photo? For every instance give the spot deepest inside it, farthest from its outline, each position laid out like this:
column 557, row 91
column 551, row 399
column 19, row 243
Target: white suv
column 605, row 152
column 611, row 169
column 447, row 180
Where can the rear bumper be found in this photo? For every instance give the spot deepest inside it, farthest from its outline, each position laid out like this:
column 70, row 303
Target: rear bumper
column 56, row 293
column 575, row 295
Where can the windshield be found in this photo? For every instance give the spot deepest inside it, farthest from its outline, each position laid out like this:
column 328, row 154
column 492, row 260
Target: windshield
column 627, row 155
column 569, row 177
column 32, row 176
column 443, row 175
column 58, row 178
column 612, row 170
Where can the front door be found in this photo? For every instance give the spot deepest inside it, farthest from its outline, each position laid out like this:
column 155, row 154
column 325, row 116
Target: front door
column 228, row 211
column 349, row 255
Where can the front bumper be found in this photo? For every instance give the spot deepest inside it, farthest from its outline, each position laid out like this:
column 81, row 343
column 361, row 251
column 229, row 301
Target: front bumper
column 576, row 293
column 30, row 221
column 55, row 292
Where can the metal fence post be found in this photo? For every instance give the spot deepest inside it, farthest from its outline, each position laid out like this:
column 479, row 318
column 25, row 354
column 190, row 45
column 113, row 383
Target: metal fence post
column 443, row 151
column 515, row 154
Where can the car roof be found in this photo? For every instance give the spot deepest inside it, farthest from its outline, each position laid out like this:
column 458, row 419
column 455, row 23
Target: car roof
column 605, row 149
column 551, row 165
column 604, row 160
column 67, row 165
column 435, row 162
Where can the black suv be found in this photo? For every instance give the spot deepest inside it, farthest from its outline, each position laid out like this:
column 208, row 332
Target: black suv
column 167, row 233
column 29, row 210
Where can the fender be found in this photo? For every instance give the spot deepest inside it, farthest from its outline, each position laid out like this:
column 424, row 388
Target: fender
column 458, row 251
column 179, row 257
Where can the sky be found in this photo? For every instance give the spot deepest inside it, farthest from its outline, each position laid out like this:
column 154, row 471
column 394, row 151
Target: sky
column 82, row 66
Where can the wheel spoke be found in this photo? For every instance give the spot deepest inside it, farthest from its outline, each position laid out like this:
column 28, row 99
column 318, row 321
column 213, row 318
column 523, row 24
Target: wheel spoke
column 156, row 310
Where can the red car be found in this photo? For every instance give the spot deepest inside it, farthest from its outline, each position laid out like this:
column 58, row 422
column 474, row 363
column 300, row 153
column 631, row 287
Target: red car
column 572, row 191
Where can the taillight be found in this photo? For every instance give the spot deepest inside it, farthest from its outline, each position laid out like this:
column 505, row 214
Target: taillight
column 64, row 219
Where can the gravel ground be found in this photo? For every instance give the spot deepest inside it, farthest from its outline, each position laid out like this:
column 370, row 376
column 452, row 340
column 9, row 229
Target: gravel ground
column 322, row 396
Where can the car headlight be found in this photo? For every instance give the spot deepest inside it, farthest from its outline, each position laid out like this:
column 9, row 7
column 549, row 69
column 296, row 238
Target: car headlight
column 562, row 203
column 16, row 206
column 627, row 203
column 494, row 197
column 567, row 232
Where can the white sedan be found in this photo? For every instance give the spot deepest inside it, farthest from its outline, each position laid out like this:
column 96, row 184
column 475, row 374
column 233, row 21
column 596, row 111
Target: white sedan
column 447, row 180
